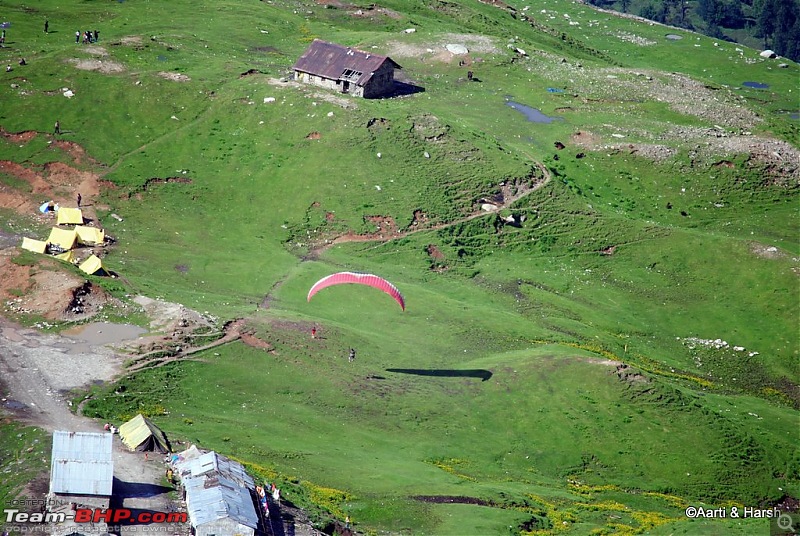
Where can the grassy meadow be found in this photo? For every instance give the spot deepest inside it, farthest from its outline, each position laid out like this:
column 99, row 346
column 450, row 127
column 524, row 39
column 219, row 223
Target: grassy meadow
column 556, row 378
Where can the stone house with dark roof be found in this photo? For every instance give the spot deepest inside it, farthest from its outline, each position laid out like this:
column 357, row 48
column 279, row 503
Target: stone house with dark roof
column 347, row 70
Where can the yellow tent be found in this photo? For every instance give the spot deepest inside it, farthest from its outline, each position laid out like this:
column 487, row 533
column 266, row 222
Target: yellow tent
column 67, row 256
column 90, row 236
column 92, row 265
column 70, row 216
column 141, row 434
column 63, row 238
column 37, row 246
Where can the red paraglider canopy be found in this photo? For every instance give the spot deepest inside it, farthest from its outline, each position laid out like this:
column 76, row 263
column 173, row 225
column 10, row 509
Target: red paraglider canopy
column 360, row 279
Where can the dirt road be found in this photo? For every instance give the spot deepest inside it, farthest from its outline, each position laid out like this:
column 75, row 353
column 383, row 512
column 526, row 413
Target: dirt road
column 38, row 372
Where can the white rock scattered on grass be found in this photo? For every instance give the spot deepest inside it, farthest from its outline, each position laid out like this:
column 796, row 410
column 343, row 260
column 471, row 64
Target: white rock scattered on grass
column 175, row 118
column 377, row 187
column 330, row 114
column 426, row 154
column 379, row 155
column 269, row 99
column 409, row 30
column 69, row 94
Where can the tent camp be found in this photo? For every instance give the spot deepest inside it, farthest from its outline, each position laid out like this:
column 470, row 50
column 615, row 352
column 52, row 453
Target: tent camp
column 67, row 256
column 141, row 434
column 92, row 265
column 63, row 238
column 37, row 246
column 70, row 216
column 90, row 236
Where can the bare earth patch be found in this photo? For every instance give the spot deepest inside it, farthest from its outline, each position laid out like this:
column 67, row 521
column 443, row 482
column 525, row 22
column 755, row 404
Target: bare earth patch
column 175, row 77
column 103, row 66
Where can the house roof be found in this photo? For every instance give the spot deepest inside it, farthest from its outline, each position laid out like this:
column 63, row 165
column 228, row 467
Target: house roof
column 81, row 463
column 212, row 463
column 209, row 498
column 340, row 63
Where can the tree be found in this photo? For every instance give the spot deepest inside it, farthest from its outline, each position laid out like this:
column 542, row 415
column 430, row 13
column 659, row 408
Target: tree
column 766, row 19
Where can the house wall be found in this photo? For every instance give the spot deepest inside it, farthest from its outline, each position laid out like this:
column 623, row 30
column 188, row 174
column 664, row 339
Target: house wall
column 317, row 81
column 381, row 83
column 223, row 527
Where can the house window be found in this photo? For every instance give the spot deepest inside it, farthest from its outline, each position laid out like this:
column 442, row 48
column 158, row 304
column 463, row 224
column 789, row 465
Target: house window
column 350, row 74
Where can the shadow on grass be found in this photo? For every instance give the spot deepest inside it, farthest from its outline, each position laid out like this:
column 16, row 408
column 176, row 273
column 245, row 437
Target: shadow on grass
column 402, row 89
column 483, row 374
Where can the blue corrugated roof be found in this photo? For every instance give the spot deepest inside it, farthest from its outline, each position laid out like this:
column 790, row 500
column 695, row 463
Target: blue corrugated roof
column 81, row 463
column 209, row 498
column 211, row 462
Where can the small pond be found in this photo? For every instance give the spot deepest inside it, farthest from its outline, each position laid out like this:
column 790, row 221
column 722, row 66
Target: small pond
column 99, row 333
column 532, row 114
column 755, row 85
column 673, row 37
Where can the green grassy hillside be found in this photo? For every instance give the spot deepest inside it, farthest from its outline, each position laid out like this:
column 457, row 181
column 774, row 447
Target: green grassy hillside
column 561, row 377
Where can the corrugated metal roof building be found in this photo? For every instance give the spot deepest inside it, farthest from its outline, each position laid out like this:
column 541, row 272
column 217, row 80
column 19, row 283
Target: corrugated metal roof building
column 81, row 464
column 347, row 70
column 218, row 494
column 219, row 506
column 212, row 463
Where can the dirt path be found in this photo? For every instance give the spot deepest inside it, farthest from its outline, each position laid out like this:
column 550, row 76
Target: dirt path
column 38, row 371
column 508, row 200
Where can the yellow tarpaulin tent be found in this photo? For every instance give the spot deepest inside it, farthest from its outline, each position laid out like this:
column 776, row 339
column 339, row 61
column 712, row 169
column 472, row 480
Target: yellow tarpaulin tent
column 70, row 216
column 68, row 256
column 92, row 265
column 90, row 236
column 141, row 434
column 37, row 246
column 63, row 238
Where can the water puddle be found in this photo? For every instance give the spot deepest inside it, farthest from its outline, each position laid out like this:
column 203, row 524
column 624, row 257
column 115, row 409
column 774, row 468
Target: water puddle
column 99, row 334
column 532, row 114
column 755, row 85
column 13, row 405
column 554, row 90
column 673, row 37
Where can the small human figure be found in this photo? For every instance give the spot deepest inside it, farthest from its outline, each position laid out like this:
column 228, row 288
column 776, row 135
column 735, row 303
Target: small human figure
column 79, row 199
column 469, row 75
column 46, row 25
column 314, row 332
column 106, row 427
column 96, row 36
column 22, row 61
column 347, row 522
column 352, row 356
column 57, row 128
column 8, row 68
column 77, row 37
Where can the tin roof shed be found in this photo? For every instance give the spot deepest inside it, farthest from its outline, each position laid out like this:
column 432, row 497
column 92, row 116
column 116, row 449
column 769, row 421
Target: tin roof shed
column 210, row 498
column 81, row 463
column 337, row 62
column 212, row 463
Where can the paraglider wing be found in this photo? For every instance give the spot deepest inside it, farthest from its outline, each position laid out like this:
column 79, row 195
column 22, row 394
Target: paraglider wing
column 360, row 279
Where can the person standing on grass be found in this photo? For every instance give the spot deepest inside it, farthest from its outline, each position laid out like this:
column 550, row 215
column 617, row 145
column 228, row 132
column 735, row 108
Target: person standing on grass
column 314, row 332
column 57, row 128
column 77, row 37
column 352, row 356
column 79, row 199
column 46, row 25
